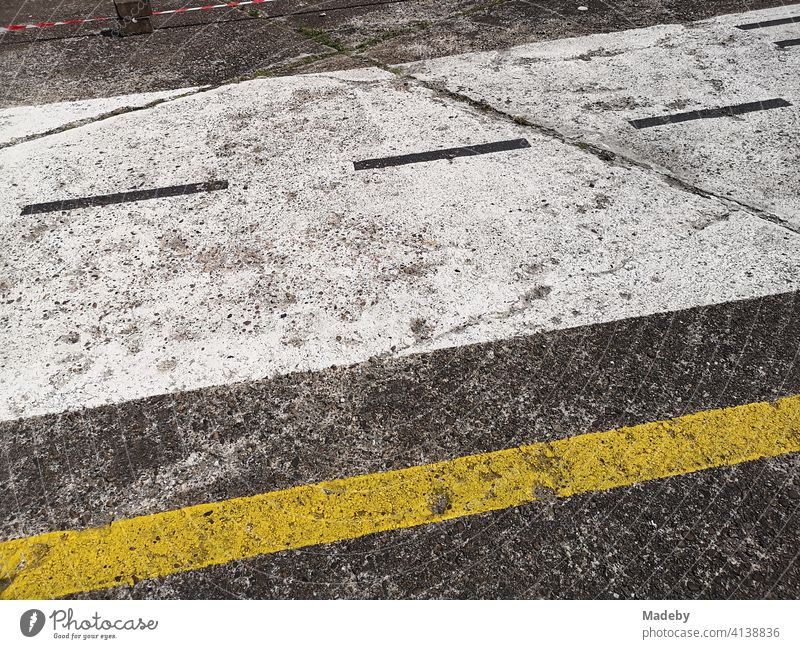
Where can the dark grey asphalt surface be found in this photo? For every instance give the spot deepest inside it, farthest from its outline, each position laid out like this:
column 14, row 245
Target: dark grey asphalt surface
column 726, row 533
column 290, row 37
column 739, row 524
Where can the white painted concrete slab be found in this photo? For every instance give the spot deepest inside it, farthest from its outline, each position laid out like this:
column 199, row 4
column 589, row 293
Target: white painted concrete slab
column 589, row 87
column 782, row 33
column 771, row 33
column 303, row 262
column 22, row 122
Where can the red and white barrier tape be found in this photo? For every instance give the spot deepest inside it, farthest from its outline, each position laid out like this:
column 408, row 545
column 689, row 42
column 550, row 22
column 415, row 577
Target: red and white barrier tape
column 100, row 19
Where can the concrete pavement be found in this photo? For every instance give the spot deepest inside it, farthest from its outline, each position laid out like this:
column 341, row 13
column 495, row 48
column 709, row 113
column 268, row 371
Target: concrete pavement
column 290, row 37
column 175, row 362
column 590, row 90
column 125, row 301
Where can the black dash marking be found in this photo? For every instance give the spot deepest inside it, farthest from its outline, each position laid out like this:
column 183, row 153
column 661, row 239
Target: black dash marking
column 442, row 154
column 770, row 23
column 124, row 197
column 788, row 43
column 707, row 113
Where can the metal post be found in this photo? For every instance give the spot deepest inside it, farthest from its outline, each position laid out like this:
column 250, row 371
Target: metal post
column 134, row 17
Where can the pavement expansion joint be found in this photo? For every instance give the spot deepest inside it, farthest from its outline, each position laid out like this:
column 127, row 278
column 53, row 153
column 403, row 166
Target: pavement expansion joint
column 609, row 155
column 102, row 117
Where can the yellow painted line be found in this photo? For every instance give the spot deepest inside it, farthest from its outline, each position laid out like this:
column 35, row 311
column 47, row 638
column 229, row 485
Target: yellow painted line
column 61, row 563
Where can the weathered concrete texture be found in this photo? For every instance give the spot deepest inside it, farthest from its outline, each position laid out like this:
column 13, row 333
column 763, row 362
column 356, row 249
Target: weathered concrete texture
column 67, row 63
column 406, row 31
column 725, row 533
column 303, row 262
column 21, row 123
column 89, row 467
column 33, row 11
column 588, row 88
column 728, row 532
column 101, row 66
column 777, row 32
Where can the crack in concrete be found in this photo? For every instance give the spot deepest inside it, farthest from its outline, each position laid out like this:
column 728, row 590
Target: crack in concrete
column 355, row 54
column 607, row 154
column 123, row 110
column 522, row 303
column 358, row 53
